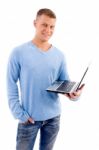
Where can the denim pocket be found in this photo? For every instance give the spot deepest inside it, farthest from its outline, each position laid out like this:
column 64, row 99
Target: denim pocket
column 26, row 123
column 26, row 130
column 54, row 123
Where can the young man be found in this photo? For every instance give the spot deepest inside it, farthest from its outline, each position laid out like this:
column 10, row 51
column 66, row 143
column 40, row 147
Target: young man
column 37, row 64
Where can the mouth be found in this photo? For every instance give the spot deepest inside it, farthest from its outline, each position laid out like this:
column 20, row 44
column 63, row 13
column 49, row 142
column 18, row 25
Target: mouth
column 46, row 34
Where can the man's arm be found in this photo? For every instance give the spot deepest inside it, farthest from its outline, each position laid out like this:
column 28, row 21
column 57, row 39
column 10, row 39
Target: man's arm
column 13, row 73
column 64, row 76
column 63, row 71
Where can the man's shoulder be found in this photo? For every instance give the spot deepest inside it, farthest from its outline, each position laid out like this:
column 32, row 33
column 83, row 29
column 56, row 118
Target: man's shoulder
column 20, row 48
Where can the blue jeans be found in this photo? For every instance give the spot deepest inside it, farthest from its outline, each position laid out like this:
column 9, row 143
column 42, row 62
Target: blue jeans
column 26, row 134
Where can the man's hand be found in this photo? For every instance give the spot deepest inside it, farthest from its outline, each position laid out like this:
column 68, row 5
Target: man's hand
column 75, row 94
column 31, row 120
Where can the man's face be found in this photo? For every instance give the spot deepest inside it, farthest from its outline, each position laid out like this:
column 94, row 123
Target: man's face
column 44, row 27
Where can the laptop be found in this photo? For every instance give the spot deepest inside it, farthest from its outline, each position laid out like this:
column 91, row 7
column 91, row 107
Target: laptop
column 66, row 86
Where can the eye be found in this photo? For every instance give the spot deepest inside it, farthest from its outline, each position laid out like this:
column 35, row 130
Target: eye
column 52, row 27
column 45, row 25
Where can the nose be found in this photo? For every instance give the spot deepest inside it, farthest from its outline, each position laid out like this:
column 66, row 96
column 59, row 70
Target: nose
column 48, row 29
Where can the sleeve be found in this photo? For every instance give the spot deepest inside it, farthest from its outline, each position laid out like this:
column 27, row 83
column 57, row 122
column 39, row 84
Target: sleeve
column 64, row 71
column 13, row 72
column 64, row 75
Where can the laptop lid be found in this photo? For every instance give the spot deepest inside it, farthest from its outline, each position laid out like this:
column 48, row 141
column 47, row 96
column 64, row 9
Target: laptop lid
column 66, row 86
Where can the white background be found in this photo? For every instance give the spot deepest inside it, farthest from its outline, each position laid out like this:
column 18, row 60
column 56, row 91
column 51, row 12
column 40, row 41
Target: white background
column 77, row 35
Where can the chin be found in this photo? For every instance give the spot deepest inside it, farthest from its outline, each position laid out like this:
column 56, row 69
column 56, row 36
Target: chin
column 45, row 40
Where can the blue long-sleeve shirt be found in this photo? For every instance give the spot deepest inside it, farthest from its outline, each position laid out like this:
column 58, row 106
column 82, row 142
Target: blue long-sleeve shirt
column 35, row 70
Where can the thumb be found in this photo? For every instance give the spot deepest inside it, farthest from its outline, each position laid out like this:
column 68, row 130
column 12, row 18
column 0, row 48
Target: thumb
column 82, row 86
column 31, row 120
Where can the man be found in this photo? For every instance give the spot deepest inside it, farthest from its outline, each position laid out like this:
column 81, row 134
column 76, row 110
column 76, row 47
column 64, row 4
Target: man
column 37, row 64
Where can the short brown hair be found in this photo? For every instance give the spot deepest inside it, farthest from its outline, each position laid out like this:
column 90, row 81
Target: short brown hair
column 47, row 12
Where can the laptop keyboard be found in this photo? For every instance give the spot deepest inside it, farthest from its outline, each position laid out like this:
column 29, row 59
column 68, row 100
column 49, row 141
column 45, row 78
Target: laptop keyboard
column 56, row 85
column 66, row 86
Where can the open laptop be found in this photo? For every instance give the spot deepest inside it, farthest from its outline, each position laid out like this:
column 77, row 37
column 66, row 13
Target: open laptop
column 66, row 86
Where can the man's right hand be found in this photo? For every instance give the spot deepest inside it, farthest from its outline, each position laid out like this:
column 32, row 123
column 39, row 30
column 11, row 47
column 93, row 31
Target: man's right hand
column 31, row 120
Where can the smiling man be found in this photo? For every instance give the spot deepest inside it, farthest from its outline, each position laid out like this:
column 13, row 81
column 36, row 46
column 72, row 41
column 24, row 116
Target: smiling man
column 37, row 64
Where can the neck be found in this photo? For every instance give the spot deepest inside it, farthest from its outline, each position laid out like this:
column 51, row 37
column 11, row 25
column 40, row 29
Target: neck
column 43, row 45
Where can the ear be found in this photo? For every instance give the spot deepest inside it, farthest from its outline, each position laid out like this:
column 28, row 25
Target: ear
column 34, row 23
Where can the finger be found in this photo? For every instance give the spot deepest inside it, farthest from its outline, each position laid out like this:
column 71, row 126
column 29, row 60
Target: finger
column 67, row 95
column 73, row 95
column 31, row 120
column 81, row 87
column 78, row 92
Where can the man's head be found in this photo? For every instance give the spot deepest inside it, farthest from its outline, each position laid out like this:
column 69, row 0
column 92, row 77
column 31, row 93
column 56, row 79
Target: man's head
column 44, row 24
column 47, row 12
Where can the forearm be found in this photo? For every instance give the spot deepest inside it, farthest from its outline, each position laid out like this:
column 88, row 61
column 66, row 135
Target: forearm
column 13, row 74
column 15, row 106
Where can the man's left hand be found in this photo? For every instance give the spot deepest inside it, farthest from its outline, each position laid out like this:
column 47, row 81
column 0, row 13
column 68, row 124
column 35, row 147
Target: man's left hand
column 75, row 94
